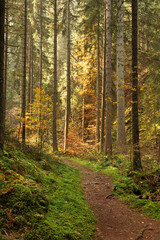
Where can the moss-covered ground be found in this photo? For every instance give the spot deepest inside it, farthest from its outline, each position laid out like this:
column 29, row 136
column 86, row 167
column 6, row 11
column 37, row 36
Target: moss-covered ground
column 41, row 198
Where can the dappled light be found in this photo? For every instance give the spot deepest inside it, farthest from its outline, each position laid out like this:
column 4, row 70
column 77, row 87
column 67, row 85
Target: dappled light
column 79, row 120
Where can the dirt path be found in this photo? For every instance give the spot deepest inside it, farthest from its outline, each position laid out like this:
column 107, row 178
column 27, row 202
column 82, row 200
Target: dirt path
column 116, row 221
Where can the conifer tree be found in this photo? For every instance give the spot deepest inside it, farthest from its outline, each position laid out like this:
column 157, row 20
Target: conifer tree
column 103, row 81
column 121, row 134
column 137, row 165
column 68, row 105
column 40, row 72
column 24, row 75
column 2, row 20
column 55, row 147
column 98, row 80
column 6, row 58
column 108, row 140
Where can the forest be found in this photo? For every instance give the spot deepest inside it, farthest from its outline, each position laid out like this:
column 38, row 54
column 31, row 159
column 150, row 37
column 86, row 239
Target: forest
column 71, row 75
column 79, row 85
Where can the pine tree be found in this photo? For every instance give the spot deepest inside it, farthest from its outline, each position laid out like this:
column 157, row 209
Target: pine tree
column 2, row 20
column 6, row 58
column 40, row 74
column 98, row 81
column 24, row 75
column 137, row 165
column 121, row 134
column 103, row 81
column 108, row 140
column 68, row 105
column 55, row 147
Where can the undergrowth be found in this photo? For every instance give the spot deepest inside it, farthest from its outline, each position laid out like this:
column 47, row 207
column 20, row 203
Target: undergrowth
column 138, row 189
column 41, row 198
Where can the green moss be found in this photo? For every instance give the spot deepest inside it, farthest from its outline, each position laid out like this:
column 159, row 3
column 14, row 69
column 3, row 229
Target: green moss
column 42, row 198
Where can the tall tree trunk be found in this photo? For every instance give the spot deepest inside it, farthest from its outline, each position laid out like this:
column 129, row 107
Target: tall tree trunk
column 55, row 147
column 137, row 165
column 108, row 140
column 6, row 59
column 29, row 67
column 40, row 48
column 121, row 133
column 103, row 82
column 67, row 114
column 28, row 104
column 40, row 79
column 29, row 72
column 31, row 60
column 2, row 20
column 24, row 76
column 98, row 85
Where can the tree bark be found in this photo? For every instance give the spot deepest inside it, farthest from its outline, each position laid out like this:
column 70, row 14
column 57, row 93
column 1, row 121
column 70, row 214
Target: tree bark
column 24, row 76
column 137, row 165
column 108, row 140
column 2, row 21
column 40, row 79
column 67, row 114
column 121, row 133
column 31, row 60
column 83, row 119
column 40, row 47
column 55, row 147
column 6, row 59
column 98, row 85
column 29, row 64
column 32, row 70
column 103, row 82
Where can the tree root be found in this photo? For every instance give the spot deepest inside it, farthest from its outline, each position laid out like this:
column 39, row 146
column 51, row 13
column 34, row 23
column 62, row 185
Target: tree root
column 110, row 196
column 140, row 235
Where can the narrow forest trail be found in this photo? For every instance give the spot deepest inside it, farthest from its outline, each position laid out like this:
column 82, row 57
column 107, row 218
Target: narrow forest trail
column 115, row 220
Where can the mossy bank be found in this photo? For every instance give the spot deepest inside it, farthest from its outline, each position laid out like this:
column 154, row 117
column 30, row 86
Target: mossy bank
column 41, row 198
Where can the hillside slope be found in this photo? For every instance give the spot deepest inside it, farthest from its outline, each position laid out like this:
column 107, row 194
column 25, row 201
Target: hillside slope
column 41, row 198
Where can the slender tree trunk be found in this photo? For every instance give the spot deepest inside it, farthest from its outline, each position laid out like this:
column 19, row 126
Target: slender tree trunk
column 40, row 79
column 28, row 102
column 83, row 119
column 67, row 114
column 137, row 165
column 103, row 82
column 32, row 70
column 30, row 67
column 55, row 147
column 2, row 21
column 29, row 75
column 121, row 133
column 108, row 140
column 98, row 85
column 40, row 48
column 24, row 76
column 6, row 60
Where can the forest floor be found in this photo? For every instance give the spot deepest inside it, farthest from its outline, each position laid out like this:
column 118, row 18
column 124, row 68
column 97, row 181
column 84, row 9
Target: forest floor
column 115, row 220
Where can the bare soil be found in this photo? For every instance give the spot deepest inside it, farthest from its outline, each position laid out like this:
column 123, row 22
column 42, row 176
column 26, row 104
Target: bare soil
column 115, row 220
